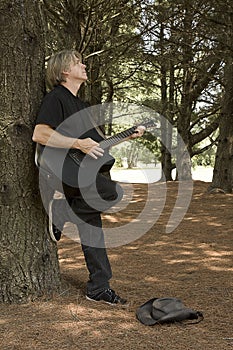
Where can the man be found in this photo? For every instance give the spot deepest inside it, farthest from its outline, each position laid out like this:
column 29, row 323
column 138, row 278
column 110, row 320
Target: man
column 66, row 73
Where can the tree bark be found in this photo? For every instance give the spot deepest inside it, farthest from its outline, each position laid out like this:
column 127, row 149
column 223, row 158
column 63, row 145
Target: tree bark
column 166, row 126
column 223, row 168
column 28, row 264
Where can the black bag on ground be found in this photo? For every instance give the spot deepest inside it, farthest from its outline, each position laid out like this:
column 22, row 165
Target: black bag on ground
column 166, row 310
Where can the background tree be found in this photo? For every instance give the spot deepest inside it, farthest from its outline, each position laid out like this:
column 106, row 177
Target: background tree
column 28, row 264
column 223, row 168
column 100, row 30
column 185, row 59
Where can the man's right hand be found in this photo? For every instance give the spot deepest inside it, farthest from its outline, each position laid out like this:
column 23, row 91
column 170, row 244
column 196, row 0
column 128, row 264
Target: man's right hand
column 89, row 147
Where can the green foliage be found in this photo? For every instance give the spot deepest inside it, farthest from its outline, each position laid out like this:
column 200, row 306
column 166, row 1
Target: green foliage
column 207, row 158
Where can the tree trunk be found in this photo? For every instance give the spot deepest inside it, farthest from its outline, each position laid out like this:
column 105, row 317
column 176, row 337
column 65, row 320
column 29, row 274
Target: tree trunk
column 223, row 168
column 132, row 155
column 166, row 127
column 28, row 265
column 184, row 118
column 166, row 158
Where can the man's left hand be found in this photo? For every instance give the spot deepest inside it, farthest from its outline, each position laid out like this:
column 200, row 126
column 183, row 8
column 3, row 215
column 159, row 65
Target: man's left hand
column 138, row 132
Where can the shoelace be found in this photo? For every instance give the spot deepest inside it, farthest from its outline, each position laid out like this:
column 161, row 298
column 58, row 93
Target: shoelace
column 113, row 297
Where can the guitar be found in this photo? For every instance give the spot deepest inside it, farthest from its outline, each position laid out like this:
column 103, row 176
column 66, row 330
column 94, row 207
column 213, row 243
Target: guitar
column 78, row 169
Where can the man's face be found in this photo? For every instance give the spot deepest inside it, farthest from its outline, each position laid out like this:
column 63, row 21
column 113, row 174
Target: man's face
column 77, row 71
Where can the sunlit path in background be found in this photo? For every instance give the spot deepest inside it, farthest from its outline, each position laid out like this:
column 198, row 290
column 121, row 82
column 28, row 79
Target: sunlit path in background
column 150, row 175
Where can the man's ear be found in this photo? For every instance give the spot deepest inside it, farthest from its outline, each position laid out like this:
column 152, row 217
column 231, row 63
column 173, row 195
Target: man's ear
column 65, row 73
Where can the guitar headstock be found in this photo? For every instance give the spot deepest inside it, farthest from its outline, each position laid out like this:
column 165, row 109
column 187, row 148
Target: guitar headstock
column 151, row 124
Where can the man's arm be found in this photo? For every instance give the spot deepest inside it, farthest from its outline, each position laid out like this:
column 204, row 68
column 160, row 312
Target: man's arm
column 45, row 135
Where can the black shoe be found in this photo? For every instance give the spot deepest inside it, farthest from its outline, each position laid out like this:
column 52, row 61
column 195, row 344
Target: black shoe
column 107, row 296
column 54, row 231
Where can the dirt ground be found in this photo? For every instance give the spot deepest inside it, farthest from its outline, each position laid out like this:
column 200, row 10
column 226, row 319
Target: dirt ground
column 194, row 263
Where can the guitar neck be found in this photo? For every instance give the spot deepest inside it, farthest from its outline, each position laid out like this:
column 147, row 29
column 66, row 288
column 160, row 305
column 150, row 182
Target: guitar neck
column 115, row 139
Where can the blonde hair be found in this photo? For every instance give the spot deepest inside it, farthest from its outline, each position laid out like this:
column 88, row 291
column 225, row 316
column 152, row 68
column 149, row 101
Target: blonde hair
column 58, row 63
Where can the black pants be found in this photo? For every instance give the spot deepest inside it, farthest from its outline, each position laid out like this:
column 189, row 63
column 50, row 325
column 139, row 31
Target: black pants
column 87, row 205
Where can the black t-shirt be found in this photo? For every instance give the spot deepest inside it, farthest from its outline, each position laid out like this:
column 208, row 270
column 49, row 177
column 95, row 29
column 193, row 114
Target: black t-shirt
column 66, row 113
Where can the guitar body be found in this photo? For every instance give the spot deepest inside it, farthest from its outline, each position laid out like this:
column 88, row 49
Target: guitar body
column 82, row 171
column 77, row 169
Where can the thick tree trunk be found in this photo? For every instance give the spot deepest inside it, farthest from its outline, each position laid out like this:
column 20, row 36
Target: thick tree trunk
column 28, row 264
column 223, row 168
